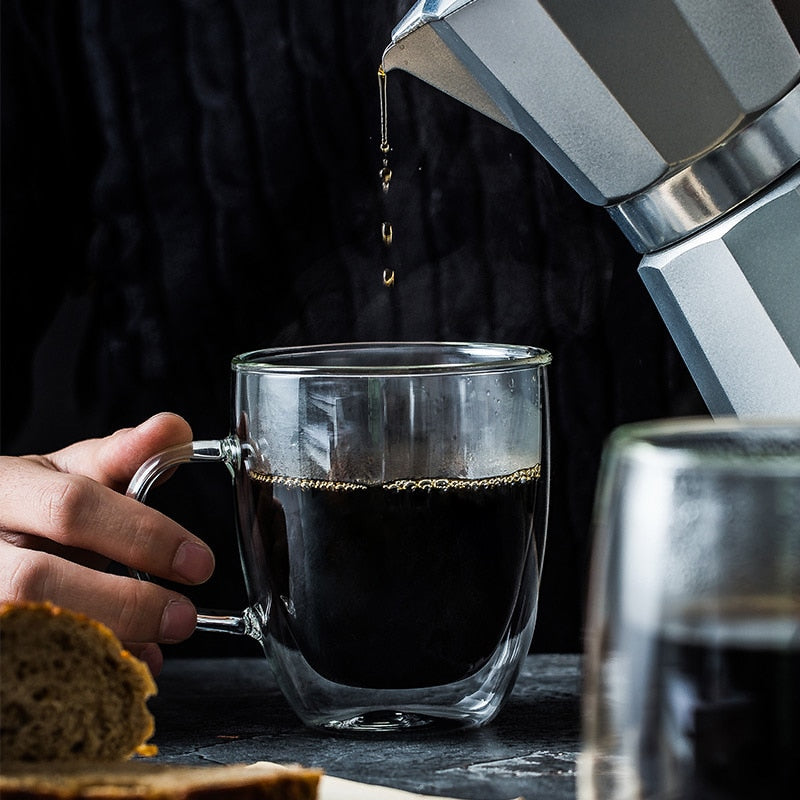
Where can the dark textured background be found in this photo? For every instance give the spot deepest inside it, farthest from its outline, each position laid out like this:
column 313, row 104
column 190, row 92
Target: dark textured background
column 182, row 181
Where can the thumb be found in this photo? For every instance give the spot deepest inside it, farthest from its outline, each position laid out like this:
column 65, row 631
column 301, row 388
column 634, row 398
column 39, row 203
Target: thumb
column 114, row 459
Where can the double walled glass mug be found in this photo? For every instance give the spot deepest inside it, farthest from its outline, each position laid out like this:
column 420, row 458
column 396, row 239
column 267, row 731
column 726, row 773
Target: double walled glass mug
column 391, row 516
column 692, row 670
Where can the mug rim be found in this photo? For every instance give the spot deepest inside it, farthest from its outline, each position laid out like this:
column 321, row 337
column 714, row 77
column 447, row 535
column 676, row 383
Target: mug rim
column 722, row 442
column 478, row 357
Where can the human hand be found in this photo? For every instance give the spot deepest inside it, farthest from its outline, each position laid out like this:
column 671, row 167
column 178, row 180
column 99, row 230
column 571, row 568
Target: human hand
column 64, row 517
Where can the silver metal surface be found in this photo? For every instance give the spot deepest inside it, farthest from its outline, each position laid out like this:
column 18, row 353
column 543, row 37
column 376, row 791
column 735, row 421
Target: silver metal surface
column 684, row 117
column 730, row 297
column 598, row 88
column 717, row 182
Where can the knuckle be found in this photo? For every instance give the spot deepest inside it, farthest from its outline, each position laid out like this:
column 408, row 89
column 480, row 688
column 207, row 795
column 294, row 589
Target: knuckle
column 142, row 545
column 133, row 609
column 139, row 610
column 28, row 579
column 66, row 503
column 145, row 534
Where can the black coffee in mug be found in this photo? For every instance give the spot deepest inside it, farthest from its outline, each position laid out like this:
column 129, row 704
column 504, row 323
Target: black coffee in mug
column 404, row 584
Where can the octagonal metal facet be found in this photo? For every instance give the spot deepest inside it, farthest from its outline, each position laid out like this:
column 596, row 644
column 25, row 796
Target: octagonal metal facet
column 730, row 297
column 615, row 94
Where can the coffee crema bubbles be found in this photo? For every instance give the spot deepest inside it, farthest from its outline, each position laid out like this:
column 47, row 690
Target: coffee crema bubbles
column 403, row 484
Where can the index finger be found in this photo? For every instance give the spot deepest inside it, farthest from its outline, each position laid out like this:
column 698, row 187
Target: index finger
column 113, row 460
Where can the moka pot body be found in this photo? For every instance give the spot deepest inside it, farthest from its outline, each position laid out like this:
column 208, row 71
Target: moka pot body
column 683, row 120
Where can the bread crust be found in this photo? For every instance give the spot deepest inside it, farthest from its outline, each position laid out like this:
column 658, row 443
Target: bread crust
column 69, row 690
column 149, row 781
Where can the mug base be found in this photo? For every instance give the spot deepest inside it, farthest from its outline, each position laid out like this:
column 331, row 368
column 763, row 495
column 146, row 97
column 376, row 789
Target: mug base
column 391, row 721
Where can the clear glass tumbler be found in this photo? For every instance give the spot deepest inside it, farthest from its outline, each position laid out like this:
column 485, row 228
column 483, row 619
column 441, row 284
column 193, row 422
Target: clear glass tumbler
column 692, row 670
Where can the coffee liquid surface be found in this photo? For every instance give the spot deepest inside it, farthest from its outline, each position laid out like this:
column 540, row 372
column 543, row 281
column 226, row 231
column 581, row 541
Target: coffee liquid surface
column 398, row 585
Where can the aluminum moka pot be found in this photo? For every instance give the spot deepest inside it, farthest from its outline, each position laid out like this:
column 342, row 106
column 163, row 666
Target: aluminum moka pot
column 682, row 118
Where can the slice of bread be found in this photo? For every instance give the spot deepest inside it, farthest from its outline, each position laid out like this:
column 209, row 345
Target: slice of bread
column 127, row 780
column 69, row 691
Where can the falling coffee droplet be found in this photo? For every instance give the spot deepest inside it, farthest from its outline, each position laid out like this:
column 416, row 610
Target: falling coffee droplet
column 386, row 177
column 383, row 105
column 385, row 173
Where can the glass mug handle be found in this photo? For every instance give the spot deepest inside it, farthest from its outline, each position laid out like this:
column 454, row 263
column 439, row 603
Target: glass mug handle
column 226, row 451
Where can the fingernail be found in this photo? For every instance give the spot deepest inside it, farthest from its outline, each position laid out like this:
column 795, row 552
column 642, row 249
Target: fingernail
column 193, row 562
column 178, row 621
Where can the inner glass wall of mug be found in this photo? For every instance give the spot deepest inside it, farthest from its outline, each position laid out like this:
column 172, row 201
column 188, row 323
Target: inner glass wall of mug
column 372, row 413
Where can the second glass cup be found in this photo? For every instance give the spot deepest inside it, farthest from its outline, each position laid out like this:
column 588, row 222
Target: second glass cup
column 391, row 512
column 692, row 670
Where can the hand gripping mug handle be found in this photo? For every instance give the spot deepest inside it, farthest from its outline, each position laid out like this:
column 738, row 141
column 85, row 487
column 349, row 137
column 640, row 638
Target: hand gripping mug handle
column 226, row 451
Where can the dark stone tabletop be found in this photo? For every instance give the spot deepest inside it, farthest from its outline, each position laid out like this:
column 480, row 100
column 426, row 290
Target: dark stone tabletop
column 230, row 711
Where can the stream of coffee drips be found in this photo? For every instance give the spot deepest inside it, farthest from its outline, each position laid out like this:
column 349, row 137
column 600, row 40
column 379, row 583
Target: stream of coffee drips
column 385, row 173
